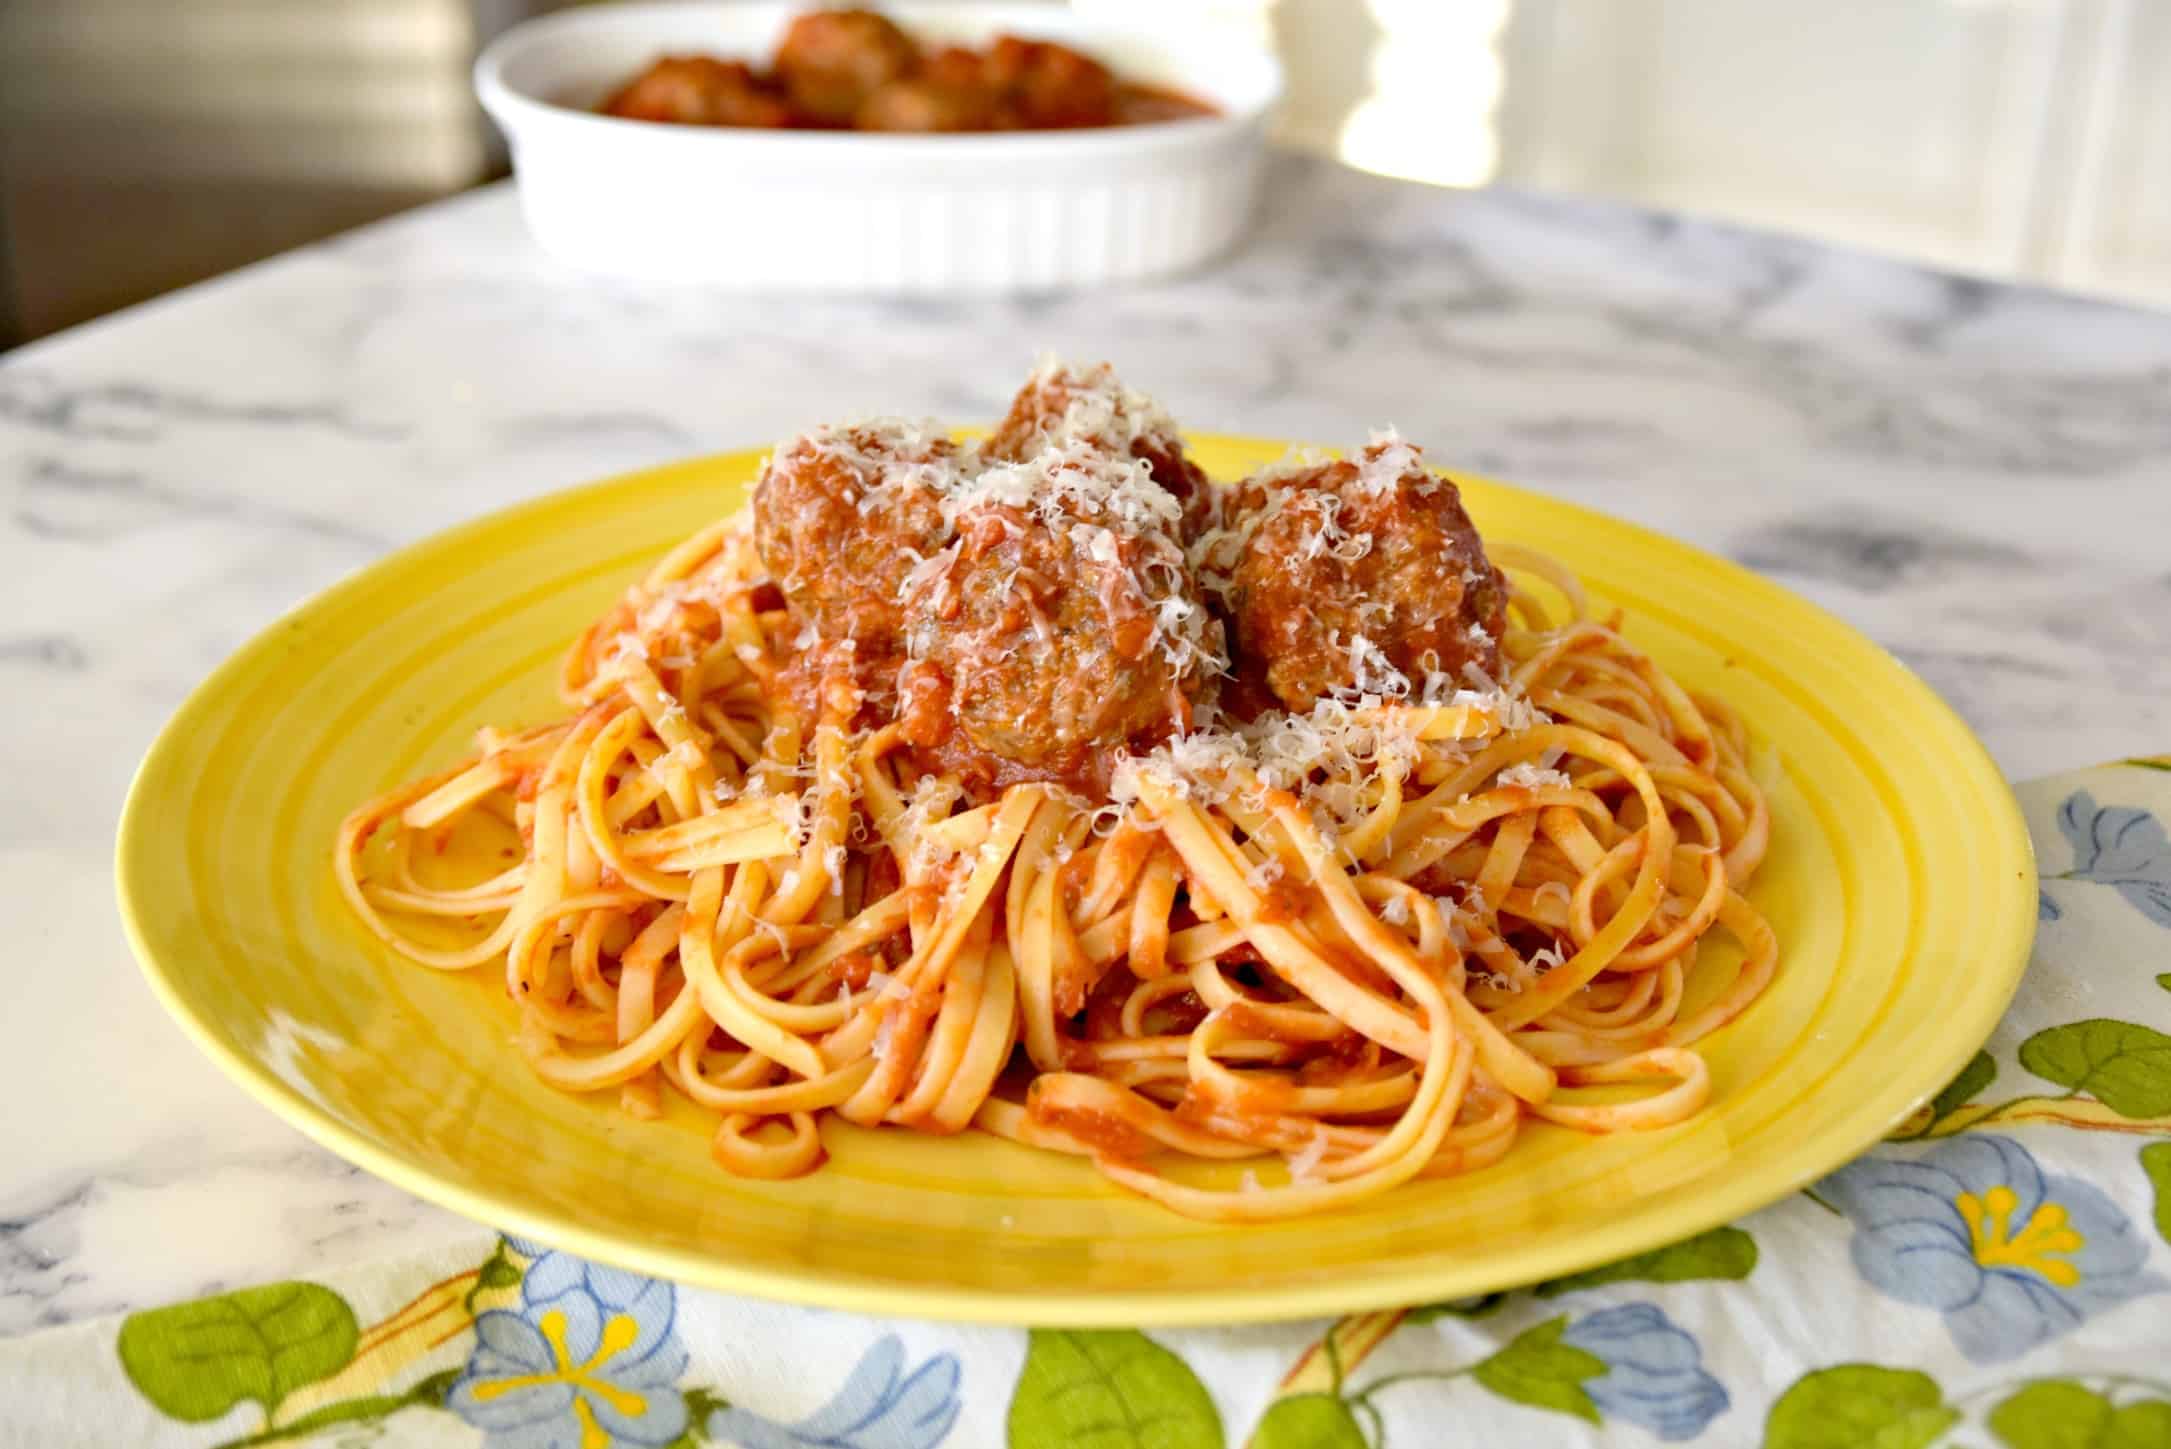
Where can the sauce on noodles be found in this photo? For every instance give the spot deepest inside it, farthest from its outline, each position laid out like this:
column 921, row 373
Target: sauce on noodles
column 1048, row 789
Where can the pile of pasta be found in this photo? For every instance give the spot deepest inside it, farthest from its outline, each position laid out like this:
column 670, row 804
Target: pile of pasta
column 1349, row 948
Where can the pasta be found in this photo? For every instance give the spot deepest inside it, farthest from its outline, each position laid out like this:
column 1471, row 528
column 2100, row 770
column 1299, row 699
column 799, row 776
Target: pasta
column 1369, row 940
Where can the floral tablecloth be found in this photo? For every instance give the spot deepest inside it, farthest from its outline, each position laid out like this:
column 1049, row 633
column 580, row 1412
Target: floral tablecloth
column 1998, row 1273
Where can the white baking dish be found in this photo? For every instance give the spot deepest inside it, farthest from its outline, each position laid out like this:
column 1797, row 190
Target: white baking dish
column 873, row 212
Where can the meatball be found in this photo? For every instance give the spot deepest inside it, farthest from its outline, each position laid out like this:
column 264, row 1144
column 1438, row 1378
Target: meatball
column 1062, row 406
column 1048, row 87
column 924, row 104
column 1137, row 105
column 956, row 65
column 832, row 60
column 1361, row 577
column 841, row 515
column 696, row 90
column 1059, row 629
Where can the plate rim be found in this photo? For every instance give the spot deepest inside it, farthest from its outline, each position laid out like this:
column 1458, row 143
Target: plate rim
column 2006, row 847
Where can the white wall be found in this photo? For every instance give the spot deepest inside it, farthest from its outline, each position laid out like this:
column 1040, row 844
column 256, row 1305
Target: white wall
column 2025, row 138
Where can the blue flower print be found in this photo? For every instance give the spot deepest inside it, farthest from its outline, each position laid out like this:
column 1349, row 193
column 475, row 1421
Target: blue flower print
column 588, row 1362
column 1975, row 1230
column 1654, row 1371
column 879, row 1407
column 2121, row 847
column 2046, row 909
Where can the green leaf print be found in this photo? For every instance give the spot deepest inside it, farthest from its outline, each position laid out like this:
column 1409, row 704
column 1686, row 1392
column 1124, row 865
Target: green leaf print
column 2051, row 1414
column 700, row 1403
column 2164, row 981
column 1980, row 1072
column 1721, row 1253
column 2125, row 1066
column 1539, row 1370
column 2058, row 1414
column 2146, row 1425
column 497, row 1271
column 195, row 1361
column 433, row 1389
column 1108, row 1390
column 1308, row 1421
column 429, row 1392
column 1859, row 1406
column 1456, row 1308
column 2156, row 1166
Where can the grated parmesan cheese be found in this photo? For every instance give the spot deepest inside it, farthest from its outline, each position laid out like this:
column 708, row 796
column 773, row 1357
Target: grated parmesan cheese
column 771, row 929
column 655, row 616
column 1387, row 461
column 1509, row 709
column 627, row 648
column 1115, row 519
column 1073, row 481
column 1326, row 757
column 1095, row 542
column 1327, row 537
column 1292, row 464
column 886, row 456
column 1532, row 776
column 1373, row 676
column 1100, row 411
column 1305, row 1162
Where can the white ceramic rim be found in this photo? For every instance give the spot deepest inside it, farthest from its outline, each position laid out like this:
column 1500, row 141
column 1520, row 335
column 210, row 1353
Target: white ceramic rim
column 522, row 112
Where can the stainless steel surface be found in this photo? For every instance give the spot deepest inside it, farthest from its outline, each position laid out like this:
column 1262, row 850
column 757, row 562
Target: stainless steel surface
column 144, row 145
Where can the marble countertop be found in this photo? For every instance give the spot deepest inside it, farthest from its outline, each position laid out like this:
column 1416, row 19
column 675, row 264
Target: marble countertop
column 1977, row 476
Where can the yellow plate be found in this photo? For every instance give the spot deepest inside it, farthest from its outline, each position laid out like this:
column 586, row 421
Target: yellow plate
column 1900, row 882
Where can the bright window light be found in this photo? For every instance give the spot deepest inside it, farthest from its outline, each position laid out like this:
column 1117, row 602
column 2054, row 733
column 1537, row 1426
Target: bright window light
column 1435, row 85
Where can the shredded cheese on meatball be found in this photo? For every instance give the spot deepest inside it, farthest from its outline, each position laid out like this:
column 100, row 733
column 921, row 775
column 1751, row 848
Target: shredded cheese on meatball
column 1388, row 462
column 888, row 455
column 1100, row 412
column 1327, row 537
column 1074, row 481
column 1097, row 501
column 1373, row 676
